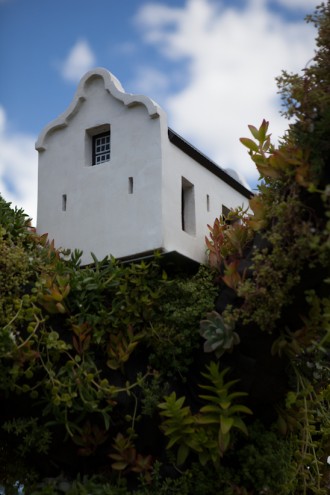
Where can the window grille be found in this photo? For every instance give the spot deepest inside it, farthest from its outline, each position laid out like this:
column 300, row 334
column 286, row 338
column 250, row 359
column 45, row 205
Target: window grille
column 101, row 148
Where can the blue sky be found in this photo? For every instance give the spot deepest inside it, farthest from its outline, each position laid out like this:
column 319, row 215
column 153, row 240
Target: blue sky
column 211, row 64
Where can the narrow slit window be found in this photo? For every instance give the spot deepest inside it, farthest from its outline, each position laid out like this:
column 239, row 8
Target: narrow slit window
column 130, row 185
column 188, row 218
column 207, row 202
column 64, row 201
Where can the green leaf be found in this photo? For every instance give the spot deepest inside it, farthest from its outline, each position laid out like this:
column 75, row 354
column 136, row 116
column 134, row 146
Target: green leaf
column 254, row 131
column 173, row 440
column 240, row 408
column 234, row 395
column 208, row 420
column 226, row 424
column 225, row 404
column 263, row 130
column 240, row 425
column 251, row 145
column 120, row 465
column 178, row 429
column 223, row 441
column 204, row 457
column 210, row 408
column 182, row 454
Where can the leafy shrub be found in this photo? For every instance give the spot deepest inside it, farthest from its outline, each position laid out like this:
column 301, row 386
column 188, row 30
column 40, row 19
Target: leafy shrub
column 173, row 336
column 209, row 432
column 87, row 353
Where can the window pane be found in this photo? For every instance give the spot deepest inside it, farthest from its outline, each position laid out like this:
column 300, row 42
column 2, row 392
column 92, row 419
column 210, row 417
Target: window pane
column 101, row 150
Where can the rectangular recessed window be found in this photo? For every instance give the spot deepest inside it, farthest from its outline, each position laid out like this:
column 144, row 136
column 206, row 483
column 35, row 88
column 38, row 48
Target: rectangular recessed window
column 225, row 211
column 130, row 185
column 207, row 202
column 101, row 148
column 97, row 145
column 188, row 218
column 228, row 219
column 64, row 199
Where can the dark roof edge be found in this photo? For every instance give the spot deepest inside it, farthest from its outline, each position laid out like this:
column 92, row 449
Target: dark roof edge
column 203, row 160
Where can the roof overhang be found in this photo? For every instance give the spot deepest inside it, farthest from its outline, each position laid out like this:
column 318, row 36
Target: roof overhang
column 203, row 160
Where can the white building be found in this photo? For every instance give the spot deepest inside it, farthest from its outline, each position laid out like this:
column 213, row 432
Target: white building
column 114, row 179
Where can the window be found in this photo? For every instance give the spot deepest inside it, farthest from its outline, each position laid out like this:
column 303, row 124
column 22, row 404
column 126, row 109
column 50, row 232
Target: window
column 64, row 200
column 225, row 211
column 97, row 145
column 130, row 185
column 207, row 202
column 188, row 220
column 101, row 148
column 228, row 216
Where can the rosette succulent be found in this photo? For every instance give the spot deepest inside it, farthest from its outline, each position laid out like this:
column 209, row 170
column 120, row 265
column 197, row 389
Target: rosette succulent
column 220, row 335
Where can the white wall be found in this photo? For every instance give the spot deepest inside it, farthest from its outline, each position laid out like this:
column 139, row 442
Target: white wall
column 101, row 216
column 177, row 165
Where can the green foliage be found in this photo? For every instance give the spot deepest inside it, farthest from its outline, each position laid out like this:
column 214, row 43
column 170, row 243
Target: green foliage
column 172, row 337
column 31, row 436
column 294, row 221
column 290, row 278
column 179, row 425
column 209, row 432
column 67, row 339
column 221, row 409
column 266, row 462
column 128, row 459
column 194, row 482
column 286, row 292
column 288, row 226
column 306, row 98
column 14, row 222
column 154, row 389
column 87, row 354
column 82, row 486
column 306, row 412
column 229, row 237
column 297, row 237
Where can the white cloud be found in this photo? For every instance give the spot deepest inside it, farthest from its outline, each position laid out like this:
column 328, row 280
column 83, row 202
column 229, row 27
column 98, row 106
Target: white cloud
column 126, row 48
column 232, row 57
column 79, row 60
column 149, row 81
column 18, row 169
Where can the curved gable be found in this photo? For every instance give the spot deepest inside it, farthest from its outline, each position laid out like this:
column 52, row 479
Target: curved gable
column 112, row 86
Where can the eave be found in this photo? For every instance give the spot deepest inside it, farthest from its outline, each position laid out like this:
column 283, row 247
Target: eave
column 211, row 166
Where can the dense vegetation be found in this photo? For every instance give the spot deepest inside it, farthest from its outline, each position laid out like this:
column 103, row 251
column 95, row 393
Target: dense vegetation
column 118, row 379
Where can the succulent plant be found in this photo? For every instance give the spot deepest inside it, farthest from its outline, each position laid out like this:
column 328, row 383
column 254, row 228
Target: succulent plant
column 220, row 335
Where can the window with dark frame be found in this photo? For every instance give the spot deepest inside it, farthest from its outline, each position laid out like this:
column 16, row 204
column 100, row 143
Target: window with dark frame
column 101, row 148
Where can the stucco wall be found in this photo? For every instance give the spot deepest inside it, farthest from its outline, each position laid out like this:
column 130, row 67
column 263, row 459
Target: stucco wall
column 101, row 215
column 210, row 194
